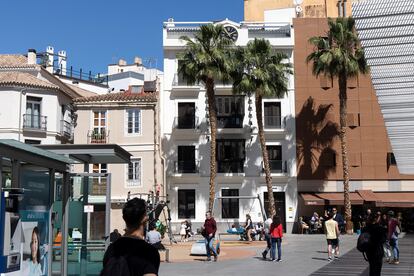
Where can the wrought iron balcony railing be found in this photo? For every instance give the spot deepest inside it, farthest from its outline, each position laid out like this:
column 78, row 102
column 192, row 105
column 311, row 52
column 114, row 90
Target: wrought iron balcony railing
column 186, row 122
column 187, row 166
column 230, row 166
column 277, row 166
column 34, row 122
column 98, row 137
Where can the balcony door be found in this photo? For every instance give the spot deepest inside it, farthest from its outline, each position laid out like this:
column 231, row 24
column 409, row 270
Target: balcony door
column 186, row 159
column 230, row 111
column 230, row 156
column 272, row 115
column 33, row 112
column 186, row 115
column 99, row 127
column 275, row 158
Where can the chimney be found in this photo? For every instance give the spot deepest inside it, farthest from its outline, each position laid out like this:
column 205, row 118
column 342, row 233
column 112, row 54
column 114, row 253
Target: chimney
column 170, row 23
column 122, row 62
column 31, row 56
column 138, row 60
column 49, row 53
column 62, row 62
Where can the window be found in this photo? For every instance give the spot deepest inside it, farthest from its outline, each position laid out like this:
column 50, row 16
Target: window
column 275, row 158
column 186, row 159
column 99, row 182
column 134, row 172
column 391, row 160
column 230, row 156
column 33, row 113
column 186, row 116
column 186, row 204
column 230, row 111
column 272, row 115
column 133, row 119
column 230, row 206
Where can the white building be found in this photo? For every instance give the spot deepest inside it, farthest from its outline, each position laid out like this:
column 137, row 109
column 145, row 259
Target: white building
column 35, row 106
column 185, row 137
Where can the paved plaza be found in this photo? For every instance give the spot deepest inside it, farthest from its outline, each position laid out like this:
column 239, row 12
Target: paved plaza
column 302, row 255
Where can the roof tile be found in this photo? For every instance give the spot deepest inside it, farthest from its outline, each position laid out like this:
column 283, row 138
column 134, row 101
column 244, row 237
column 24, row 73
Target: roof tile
column 24, row 79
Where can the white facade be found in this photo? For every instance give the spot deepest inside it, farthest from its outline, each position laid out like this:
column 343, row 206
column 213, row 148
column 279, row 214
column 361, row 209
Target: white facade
column 247, row 179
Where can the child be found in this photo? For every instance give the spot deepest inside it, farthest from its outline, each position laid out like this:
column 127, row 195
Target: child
column 183, row 231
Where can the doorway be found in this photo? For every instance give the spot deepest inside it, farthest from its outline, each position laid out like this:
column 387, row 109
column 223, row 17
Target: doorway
column 280, row 205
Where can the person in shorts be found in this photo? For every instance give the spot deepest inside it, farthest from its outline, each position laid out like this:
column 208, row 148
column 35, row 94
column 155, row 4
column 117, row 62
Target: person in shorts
column 332, row 237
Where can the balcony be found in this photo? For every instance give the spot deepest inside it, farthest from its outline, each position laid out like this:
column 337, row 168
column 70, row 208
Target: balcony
column 235, row 121
column 181, row 88
column 230, row 166
column 190, row 122
column 95, row 137
column 34, row 123
column 274, row 122
column 277, row 167
column 184, row 167
column 66, row 129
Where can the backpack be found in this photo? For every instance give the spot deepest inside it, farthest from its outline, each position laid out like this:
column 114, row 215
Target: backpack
column 364, row 243
column 116, row 266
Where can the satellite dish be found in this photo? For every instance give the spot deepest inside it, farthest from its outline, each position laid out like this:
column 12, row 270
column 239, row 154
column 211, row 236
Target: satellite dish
column 297, row 2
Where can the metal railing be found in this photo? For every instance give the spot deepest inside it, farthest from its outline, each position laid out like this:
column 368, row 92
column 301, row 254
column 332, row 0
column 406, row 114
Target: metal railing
column 232, row 166
column 66, row 129
column 179, row 81
column 80, row 75
column 234, row 121
column 274, row 122
column 34, row 122
column 187, row 166
column 95, row 137
column 277, row 166
column 186, row 122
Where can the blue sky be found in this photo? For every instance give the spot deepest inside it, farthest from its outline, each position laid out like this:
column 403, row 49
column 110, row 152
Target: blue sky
column 97, row 33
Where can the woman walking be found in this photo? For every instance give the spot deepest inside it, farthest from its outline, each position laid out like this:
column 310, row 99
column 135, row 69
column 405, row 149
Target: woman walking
column 248, row 227
column 276, row 234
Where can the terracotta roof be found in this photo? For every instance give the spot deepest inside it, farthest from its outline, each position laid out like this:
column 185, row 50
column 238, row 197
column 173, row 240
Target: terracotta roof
column 82, row 92
column 24, row 79
column 14, row 61
column 120, row 97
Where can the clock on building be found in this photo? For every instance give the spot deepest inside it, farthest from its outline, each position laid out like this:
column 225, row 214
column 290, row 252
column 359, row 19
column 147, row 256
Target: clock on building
column 231, row 33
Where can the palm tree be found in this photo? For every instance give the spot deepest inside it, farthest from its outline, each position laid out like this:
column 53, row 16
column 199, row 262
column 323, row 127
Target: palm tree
column 339, row 55
column 259, row 69
column 205, row 60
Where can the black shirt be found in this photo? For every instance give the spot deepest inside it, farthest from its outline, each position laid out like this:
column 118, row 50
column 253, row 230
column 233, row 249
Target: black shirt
column 377, row 239
column 142, row 257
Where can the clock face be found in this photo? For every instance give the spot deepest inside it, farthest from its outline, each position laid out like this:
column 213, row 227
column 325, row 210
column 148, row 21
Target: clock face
column 231, row 33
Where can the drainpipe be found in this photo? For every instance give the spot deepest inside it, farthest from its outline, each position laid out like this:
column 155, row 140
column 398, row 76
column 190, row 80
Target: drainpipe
column 344, row 8
column 22, row 92
column 339, row 8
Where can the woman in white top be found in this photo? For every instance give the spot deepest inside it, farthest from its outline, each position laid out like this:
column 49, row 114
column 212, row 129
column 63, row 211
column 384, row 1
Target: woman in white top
column 183, row 231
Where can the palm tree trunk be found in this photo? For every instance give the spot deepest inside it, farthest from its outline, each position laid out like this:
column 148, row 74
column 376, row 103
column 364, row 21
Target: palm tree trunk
column 211, row 99
column 265, row 155
column 342, row 81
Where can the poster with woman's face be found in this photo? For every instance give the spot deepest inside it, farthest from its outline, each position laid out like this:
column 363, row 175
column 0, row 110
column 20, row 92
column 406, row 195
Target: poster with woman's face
column 35, row 245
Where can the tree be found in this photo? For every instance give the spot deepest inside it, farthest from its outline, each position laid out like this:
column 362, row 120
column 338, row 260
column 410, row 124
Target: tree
column 205, row 60
column 339, row 55
column 259, row 69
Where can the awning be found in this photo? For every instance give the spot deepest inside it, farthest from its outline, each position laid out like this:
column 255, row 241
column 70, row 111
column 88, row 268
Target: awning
column 367, row 195
column 395, row 200
column 330, row 198
column 311, row 199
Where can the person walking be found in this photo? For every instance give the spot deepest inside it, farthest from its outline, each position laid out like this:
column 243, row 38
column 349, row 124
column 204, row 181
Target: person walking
column 393, row 231
column 114, row 236
column 266, row 227
column 248, row 227
column 131, row 254
column 183, row 231
column 210, row 228
column 276, row 234
column 332, row 236
column 375, row 251
column 387, row 248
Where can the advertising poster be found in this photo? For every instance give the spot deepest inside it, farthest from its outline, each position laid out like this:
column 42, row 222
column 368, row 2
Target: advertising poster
column 35, row 228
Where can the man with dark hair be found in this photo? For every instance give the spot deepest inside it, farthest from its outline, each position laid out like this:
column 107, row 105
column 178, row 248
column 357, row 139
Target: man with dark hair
column 114, row 236
column 131, row 254
column 210, row 228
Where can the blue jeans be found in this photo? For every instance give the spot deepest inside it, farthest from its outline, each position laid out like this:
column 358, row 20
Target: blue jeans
column 209, row 247
column 278, row 242
column 395, row 249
